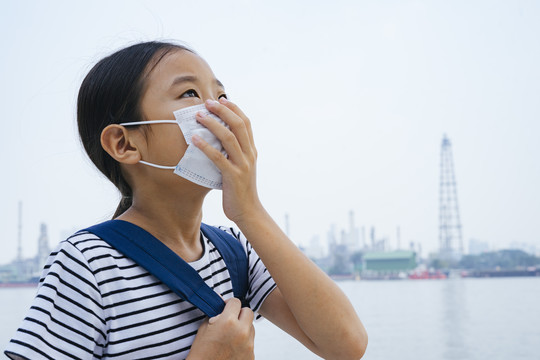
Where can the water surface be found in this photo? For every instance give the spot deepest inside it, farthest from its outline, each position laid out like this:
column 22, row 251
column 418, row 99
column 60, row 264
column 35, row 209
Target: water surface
column 465, row 319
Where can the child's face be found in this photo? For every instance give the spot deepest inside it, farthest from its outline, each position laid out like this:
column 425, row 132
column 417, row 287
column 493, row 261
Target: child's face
column 179, row 80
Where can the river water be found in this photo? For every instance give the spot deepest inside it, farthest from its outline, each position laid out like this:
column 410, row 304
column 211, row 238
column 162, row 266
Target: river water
column 408, row 320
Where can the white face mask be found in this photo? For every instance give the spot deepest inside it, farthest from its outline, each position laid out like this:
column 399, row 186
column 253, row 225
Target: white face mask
column 194, row 166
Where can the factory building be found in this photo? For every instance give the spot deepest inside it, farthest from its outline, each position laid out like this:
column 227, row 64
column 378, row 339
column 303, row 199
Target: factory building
column 389, row 262
column 20, row 270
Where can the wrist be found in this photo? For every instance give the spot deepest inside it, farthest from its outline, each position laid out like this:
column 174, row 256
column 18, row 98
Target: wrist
column 251, row 217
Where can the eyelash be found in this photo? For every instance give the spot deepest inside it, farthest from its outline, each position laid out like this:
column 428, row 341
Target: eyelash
column 197, row 95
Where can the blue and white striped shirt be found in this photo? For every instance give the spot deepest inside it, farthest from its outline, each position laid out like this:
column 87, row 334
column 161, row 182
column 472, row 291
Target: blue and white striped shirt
column 95, row 303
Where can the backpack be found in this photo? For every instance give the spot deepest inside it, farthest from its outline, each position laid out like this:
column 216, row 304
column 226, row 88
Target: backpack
column 150, row 253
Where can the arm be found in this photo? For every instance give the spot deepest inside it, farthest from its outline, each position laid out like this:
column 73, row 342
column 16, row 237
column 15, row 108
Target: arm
column 303, row 289
column 307, row 304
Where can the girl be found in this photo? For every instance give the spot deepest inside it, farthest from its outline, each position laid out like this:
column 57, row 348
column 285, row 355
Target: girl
column 94, row 302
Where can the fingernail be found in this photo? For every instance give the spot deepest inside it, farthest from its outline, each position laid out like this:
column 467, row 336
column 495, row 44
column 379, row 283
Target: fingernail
column 195, row 139
column 223, row 100
column 199, row 115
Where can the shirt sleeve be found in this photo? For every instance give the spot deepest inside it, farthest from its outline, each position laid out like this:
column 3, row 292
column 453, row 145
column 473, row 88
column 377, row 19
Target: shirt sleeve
column 260, row 282
column 66, row 319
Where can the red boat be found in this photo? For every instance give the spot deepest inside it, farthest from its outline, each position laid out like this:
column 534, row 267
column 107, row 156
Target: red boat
column 421, row 275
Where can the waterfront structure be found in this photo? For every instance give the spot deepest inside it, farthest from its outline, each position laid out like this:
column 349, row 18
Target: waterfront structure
column 351, row 238
column 26, row 271
column 450, row 232
column 389, row 262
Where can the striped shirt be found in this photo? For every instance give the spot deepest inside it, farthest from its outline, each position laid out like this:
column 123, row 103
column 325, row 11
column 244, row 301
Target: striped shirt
column 95, row 303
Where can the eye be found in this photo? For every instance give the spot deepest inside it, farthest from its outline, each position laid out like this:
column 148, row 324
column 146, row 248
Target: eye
column 223, row 96
column 189, row 93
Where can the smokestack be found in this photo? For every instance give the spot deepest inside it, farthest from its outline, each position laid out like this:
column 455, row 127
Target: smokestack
column 43, row 246
column 19, row 234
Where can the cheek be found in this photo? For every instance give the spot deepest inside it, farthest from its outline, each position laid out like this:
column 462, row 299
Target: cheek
column 167, row 145
column 178, row 148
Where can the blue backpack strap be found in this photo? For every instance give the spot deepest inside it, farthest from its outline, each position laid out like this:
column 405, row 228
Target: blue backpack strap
column 235, row 257
column 147, row 251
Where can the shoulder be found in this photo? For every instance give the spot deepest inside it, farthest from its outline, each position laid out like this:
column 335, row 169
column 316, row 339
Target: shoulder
column 69, row 257
column 86, row 244
column 85, row 241
column 81, row 249
column 235, row 233
column 89, row 259
column 232, row 231
column 73, row 263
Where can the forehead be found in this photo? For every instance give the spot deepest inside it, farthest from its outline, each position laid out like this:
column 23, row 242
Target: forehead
column 178, row 63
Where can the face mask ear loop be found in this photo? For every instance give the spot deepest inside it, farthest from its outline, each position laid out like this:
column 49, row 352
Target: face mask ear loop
column 148, row 122
column 152, row 122
column 157, row 166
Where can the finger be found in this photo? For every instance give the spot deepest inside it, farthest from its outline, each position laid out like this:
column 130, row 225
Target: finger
column 226, row 137
column 213, row 154
column 232, row 106
column 246, row 315
column 235, row 122
column 233, row 308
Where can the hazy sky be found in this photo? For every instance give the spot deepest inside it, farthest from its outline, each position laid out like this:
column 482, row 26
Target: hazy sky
column 349, row 101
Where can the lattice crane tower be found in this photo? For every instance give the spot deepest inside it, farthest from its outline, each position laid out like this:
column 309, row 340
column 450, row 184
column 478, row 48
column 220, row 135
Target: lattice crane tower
column 450, row 236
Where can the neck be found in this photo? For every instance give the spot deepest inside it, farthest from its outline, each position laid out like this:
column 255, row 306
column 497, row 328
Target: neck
column 174, row 219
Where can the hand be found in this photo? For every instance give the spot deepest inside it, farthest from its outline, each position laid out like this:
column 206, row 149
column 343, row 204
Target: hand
column 240, row 197
column 227, row 336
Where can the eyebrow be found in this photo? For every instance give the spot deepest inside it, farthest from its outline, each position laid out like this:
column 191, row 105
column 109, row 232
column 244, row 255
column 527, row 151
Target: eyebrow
column 189, row 78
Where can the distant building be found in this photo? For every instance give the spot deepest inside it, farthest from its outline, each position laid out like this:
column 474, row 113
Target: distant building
column 351, row 238
column 389, row 262
column 477, row 247
column 341, row 263
column 315, row 249
column 528, row 248
column 27, row 270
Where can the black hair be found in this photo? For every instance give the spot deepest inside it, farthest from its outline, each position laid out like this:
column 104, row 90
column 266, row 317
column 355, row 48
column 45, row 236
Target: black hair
column 110, row 94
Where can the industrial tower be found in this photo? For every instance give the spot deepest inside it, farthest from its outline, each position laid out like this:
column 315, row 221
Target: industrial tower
column 450, row 237
column 19, row 234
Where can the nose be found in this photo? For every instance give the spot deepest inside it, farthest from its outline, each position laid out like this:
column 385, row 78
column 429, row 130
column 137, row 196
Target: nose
column 210, row 97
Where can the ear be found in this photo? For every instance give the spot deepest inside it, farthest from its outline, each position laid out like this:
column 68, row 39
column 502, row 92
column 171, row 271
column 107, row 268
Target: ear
column 120, row 144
